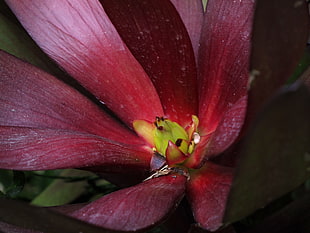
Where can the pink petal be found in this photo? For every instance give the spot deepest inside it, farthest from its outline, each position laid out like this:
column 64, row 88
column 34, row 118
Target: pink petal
column 157, row 37
column 191, row 13
column 224, row 59
column 137, row 207
column 30, row 97
column 207, row 192
column 80, row 37
column 23, row 148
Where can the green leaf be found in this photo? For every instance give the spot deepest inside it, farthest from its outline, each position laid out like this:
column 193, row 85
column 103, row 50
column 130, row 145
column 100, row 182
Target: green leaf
column 275, row 156
column 12, row 183
column 61, row 192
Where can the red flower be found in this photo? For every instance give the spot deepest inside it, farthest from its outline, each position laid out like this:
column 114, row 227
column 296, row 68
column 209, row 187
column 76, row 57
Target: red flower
column 140, row 61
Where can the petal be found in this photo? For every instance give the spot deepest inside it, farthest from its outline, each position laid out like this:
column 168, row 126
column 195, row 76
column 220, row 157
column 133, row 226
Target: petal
column 191, row 13
column 273, row 58
column 80, row 37
column 207, row 192
column 224, row 59
column 224, row 136
column 30, row 97
column 23, row 148
column 137, row 207
column 158, row 39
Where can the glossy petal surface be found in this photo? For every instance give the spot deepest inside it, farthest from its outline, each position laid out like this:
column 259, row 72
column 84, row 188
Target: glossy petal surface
column 224, row 59
column 275, row 155
column 30, row 97
column 81, row 38
column 157, row 37
column 207, row 193
column 23, row 148
column 137, row 207
column 191, row 13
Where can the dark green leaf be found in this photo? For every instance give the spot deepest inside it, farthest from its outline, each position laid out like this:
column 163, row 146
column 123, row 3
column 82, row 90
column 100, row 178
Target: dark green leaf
column 275, row 155
column 42, row 219
column 17, row 185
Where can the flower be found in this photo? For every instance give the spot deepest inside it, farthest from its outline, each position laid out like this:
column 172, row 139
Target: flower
column 178, row 89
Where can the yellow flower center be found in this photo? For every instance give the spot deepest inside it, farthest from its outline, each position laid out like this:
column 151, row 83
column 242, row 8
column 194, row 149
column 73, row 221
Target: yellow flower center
column 168, row 139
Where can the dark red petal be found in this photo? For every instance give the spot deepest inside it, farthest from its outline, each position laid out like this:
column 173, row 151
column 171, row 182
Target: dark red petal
column 191, row 13
column 224, row 59
column 157, row 37
column 30, row 97
column 207, row 192
column 224, row 136
column 24, row 148
column 273, row 57
column 137, row 207
column 80, row 37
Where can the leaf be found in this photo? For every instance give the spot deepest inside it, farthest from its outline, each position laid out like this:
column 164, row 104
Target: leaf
column 280, row 34
column 41, row 219
column 12, row 181
column 61, row 192
column 275, row 154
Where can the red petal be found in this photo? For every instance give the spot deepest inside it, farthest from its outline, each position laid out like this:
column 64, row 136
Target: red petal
column 157, row 37
column 30, row 97
column 174, row 155
column 40, row 149
column 226, row 133
column 137, row 207
column 81, row 38
column 191, row 13
column 224, row 59
column 207, row 192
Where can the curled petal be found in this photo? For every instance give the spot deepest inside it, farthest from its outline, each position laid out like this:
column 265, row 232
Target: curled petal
column 23, row 148
column 224, row 59
column 207, row 192
column 30, row 97
column 79, row 36
column 137, row 207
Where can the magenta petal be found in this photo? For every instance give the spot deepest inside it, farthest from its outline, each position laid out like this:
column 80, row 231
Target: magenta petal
column 30, row 97
column 191, row 13
column 137, row 207
column 207, row 192
column 24, row 148
column 157, row 37
column 80, row 37
column 224, row 59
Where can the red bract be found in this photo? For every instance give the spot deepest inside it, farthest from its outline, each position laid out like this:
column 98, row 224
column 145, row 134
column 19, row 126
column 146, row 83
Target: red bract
column 142, row 61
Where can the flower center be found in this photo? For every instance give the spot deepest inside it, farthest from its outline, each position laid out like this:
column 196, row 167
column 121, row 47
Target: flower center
column 172, row 144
